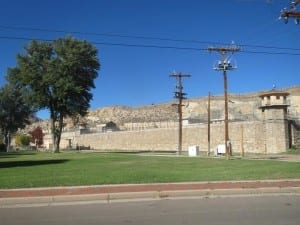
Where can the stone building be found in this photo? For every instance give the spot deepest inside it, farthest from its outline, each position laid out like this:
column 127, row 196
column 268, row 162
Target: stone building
column 267, row 123
column 274, row 118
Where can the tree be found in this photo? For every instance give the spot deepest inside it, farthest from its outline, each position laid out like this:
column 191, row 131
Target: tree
column 14, row 111
column 22, row 140
column 37, row 136
column 59, row 76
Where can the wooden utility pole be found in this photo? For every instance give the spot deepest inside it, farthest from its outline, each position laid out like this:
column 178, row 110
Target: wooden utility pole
column 291, row 12
column 208, row 125
column 224, row 65
column 242, row 141
column 178, row 94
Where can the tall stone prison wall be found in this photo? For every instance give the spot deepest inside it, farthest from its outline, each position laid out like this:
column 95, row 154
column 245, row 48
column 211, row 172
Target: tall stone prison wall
column 249, row 135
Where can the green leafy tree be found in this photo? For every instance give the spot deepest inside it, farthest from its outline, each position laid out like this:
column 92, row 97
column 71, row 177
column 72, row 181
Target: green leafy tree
column 14, row 111
column 59, row 76
column 22, row 140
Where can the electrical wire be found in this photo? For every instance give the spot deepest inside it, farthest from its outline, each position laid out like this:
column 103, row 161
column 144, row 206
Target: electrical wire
column 142, row 37
column 150, row 46
column 106, row 34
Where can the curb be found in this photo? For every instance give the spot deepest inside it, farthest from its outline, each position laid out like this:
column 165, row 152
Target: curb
column 143, row 196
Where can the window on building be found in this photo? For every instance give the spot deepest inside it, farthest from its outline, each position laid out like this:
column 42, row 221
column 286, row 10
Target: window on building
column 268, row 100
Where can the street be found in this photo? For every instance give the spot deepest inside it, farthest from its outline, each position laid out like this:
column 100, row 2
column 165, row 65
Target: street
column 267, row 210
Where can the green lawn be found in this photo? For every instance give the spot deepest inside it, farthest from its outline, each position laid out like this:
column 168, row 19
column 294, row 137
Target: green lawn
column 31, row 169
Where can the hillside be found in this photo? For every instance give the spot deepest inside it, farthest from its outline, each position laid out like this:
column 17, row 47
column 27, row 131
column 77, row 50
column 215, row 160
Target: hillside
column 241, row 107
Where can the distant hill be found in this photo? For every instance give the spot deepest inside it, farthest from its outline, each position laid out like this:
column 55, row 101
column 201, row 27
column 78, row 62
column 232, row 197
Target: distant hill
column 241, row 107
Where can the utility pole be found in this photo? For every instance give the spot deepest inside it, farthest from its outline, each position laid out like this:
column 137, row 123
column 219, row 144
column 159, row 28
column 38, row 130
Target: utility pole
column 242, row 141
column 178, row 94
column 208, row 125
column 224, row 65
column 291, row 12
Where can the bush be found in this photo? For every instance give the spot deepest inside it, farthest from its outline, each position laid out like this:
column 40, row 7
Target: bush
column 294, row 150
column 2, row 147
column 22, row 140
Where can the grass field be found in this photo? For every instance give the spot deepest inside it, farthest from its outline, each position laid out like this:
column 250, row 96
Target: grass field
column 32, row 169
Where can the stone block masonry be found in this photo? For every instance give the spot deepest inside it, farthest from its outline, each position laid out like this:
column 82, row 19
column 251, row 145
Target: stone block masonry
column 247, row 135
column 267, row 123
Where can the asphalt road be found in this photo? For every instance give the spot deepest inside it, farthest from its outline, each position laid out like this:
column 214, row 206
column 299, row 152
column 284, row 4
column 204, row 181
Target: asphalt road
column 267, row 210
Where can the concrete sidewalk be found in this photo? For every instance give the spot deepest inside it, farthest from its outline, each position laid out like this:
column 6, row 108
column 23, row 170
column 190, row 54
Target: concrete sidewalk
column 108, row 193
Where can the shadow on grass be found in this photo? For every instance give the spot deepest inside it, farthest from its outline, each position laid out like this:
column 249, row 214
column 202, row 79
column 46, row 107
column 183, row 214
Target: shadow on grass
column 31, row 163
column 16, row 154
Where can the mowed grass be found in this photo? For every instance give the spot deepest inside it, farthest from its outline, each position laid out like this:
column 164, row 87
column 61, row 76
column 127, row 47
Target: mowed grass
column 32, row 169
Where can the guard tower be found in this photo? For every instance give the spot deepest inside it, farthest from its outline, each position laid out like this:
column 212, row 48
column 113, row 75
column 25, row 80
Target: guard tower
column 274, row 116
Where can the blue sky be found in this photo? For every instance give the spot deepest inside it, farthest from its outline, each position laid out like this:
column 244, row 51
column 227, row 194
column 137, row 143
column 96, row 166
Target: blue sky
column 135, row 76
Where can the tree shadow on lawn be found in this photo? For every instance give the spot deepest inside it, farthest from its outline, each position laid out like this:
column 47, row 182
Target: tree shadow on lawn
column 16, row 154
column 31, row 163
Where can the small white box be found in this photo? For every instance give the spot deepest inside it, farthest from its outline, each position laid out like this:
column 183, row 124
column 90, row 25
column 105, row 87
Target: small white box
column 221, row 149
column 193, row 150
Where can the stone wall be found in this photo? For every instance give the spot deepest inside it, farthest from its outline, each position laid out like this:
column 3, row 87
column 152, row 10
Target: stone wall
column 248, row 135
column 267, row 125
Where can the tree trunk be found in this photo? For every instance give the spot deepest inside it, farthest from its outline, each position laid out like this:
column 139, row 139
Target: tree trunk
column 53, row 133
column 56, row 132
column 7, row 140
column 59, row 130
column 56, row 143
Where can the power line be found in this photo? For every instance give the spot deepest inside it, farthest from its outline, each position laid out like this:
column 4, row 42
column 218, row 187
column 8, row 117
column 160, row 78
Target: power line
column 151, row 46
column 270, row 47
column 103, row 34
column 140, row 37
column 270, row 53
column 24, row 38
column 109, row 43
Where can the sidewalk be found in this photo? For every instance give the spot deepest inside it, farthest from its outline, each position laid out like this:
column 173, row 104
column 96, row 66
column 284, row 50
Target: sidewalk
column 108, row 193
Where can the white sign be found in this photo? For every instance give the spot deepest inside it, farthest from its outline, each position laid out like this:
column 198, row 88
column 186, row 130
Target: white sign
column 221, row 149
column 193, row 150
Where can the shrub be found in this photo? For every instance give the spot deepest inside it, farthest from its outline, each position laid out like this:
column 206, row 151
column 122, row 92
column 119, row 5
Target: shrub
column 22, row 140
column 2, row 147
